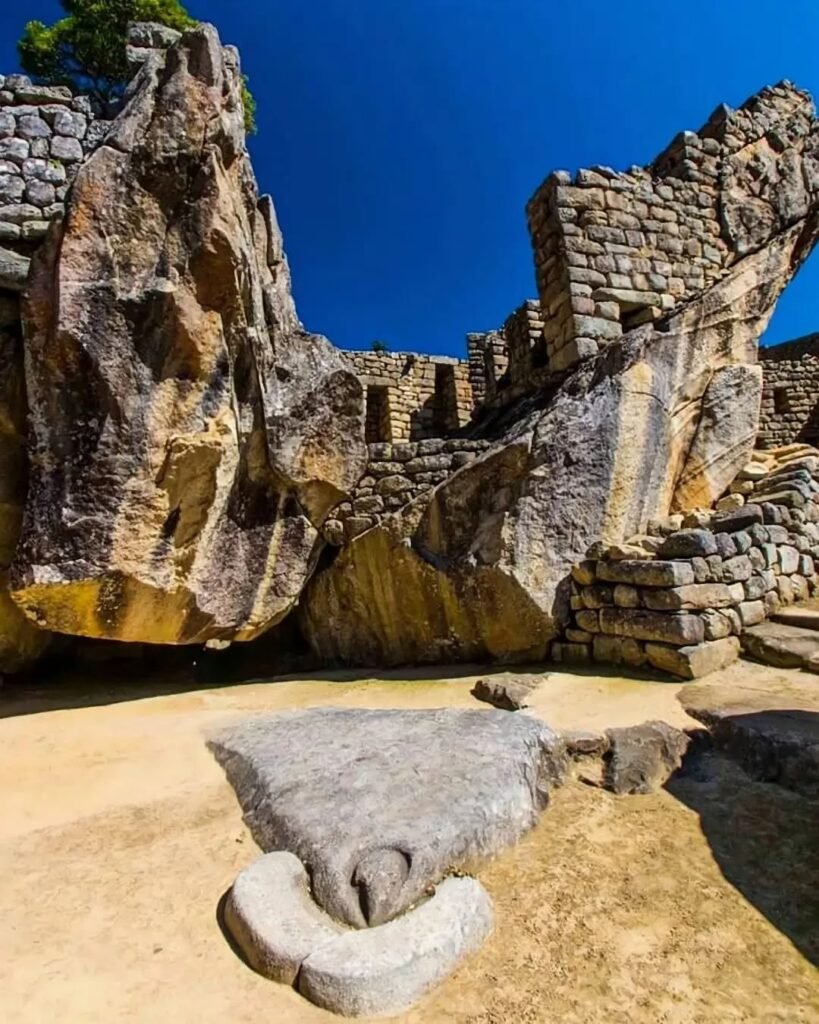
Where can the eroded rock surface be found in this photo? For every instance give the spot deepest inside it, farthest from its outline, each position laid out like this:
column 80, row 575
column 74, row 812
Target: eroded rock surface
column 188, row 437
column 380, row 805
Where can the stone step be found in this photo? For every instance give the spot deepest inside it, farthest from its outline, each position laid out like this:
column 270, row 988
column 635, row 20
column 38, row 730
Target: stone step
column 783, row 645
column 803, row 616
column 771, row 730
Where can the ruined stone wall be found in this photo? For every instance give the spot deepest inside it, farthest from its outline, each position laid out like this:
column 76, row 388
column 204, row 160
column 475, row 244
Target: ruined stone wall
column 397, row 474
column 411, row 397
column 680, row 603
column 488, row 360
column 790, row 393
column 616, row 250
column 45, row 134
column 523, row 331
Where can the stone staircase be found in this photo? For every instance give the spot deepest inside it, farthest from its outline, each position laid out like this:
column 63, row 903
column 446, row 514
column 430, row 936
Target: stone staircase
column 790, row 639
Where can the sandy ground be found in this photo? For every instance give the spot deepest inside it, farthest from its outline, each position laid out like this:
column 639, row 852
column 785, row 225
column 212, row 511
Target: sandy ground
column 119, row 835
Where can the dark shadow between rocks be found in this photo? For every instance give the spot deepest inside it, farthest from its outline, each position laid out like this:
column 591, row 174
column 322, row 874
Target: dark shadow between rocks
column 221, row 923
column 764, row 838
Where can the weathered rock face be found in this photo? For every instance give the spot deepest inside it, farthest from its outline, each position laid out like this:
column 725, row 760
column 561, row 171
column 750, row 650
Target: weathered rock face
column 188, row 437
column 20, row 641
column 480, row 566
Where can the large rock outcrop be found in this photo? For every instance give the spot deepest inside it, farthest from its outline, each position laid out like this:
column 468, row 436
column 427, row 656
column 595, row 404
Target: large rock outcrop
column 187, row 436
column 480, row 566
column 20, row 641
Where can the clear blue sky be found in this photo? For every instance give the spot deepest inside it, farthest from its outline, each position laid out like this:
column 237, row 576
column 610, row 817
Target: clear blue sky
column 401, row 139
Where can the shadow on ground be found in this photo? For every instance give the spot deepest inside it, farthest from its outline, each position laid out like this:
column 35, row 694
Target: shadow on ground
column 764, row 837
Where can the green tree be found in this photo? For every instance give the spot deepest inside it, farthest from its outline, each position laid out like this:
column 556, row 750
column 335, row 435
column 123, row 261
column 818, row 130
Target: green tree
column 379, row 346
column 86, row 48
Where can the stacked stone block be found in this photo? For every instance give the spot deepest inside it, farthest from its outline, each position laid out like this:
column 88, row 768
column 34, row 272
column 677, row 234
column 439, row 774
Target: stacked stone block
column 410, row 397
column 525, row 348
column 680, row 603
column 790, row 393
column 614, row 250
column 397, row 474
column 45, row 134
column 488, row 360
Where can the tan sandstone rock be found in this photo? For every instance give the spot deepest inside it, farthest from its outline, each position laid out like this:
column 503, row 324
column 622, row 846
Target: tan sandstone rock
column 188, row 437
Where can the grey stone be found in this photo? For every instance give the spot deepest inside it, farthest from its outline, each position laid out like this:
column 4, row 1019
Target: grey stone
column 66, row 149
column 439, row 788
column 737, row 519
column 40, row 193
column 14, row 149
column 647, row 574
column 773, row 744
column 507, row 692
column 737, row 569
column 272, row 918
column 585, row 742
column 68, row 123
column 696, row 660
column 39, row 94
column 677, row 628
column 687, row 544
column 31, row 126
column 12, row 188
column 788, row 559
column 641, row 758
column 384, row 971
column 43, row 170
column 695, row 595
column 13, row 270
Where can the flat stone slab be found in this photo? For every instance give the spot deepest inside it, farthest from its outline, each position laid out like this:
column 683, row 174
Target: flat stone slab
column 381, row 805
column 782, row 645
column 506, row 692
column 371, row 972
column 801, row 616
column 773, row 735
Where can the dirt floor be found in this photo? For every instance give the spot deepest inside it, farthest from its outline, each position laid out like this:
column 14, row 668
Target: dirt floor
column 119, row 835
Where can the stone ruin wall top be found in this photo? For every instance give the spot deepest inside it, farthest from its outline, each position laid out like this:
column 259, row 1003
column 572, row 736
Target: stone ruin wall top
column 45, row 134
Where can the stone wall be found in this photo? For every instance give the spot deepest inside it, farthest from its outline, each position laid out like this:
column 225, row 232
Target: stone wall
column 487, row 359
column 790, row 393
column 45, row 133
column 679, row 599
column 411, row 397
column 397, row 474
column 525, row 347
column 616, row 250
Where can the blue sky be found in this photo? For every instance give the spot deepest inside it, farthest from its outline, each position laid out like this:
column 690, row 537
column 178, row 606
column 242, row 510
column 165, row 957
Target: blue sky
column 401, row 139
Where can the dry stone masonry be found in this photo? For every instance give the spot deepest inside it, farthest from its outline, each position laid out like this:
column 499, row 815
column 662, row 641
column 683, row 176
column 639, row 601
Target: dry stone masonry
column 614, row 250
column 45, row 134
column 790, row 393
column 410, row 397
column 678, row 598
column 396, row 475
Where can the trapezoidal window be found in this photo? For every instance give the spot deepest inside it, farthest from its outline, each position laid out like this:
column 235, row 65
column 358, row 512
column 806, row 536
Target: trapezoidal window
column 782, row 402
column 377, row 422
column 445, row 407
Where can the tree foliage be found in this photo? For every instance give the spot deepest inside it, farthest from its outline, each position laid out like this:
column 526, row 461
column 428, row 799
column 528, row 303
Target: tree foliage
column 86, row 48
